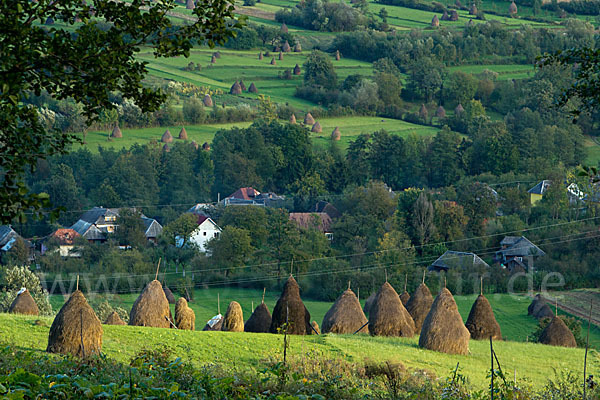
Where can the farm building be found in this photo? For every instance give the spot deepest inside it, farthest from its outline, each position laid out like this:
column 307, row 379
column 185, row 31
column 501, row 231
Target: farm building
column 319, row 221
column 96, row 224
column 457, row 260
column 65, row 238
column 327, row 208
column 8, row 238
column 206, row 230
column 517, row 252
column 248, row 196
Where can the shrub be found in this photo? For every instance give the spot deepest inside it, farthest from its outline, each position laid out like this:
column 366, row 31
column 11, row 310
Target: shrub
column 22, row 277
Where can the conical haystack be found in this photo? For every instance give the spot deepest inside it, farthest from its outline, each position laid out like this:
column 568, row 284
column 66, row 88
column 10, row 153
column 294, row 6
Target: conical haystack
column 536, row 305
column 445, row 16
column 24, row 304
column 292, row 119
column 242, row 85
column 544, row 312
column 183, row 133
column 453, row 15
column 284, row 28
column 345, row 315
column 388, row 317
column 260, row 320
column 423, row 113
column 308, row 119
column 273, row 61
column 557, row 333
column 190, row 4
column 316, row 128
column 194, row 145
column 512, row 9
column 166, row 137
column 166, row 148
column 440, row 112
column 297, row 48
column 297, row 70
column 260, row 55
column 235, row 88
column 207, row 100
column 280, row 55
column 336, row 134
column 443, row 329
column 252, row 88
column 473, row 9
column 337, row 55
column 286, row 47
column 213, row 60
column 116, row 132
column 114, row 319
column 419, row 305
column 76, row 329
column 315, row 328
column 404, row 298
column 435, row 22
column 290, row 308
column 369, row 303
column 481, row 322
column 151, row 308
column 234, row 318
column 459, row 109
column 185, row 318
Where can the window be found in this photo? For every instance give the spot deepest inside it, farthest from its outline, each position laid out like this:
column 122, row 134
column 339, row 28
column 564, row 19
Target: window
column 204, row 233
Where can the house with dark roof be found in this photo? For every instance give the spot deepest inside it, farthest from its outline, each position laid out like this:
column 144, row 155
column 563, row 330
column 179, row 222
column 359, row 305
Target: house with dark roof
column 537, row 192
column 517, row 252
column 319, row 221
column 97, row 224
column 457, row 260
column 8, row 237
column 248, row 196
column 207, row 229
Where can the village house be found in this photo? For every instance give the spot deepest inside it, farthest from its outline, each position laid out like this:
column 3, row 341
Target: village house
column 537, row 192
column 457, row 260
column 316, row 220
column 8, row 238
column 248, row 196
column 65, row 238
column 517, row 252
column 207, row 229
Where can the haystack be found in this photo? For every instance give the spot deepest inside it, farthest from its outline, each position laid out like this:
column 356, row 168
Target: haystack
column 453, row 15
column 24, row 304
column 435, row 22
column 290, row 308
column 284, row 28
column 286, row 47
column 512, row 9
column 280, row 55
column 297, row 70
column 443, row 329
column 440, row 112
column 205, row 146
column 213, row 60
column 473, row 9
column 190, row 4
column 207, row 100
column 336, row 134
column 260, row 55
column 557, row 333
column 214, row 324
column 316, row 128
column 481, row 322
column 76, row 329
column 273, row 61
column 369, row 303
column 166, row 148
column 345, row 315
column 535, row 305
column 308, row 119
column 388, row 317
column 252, row 88
column 337, row 55
column 185, row 318
column 151, row 308
column 234, row 318
column 183, row 133
column 423, row 113
column 459, row 109
column 217, row 54
column 297, row 48
column 260, row 320
column 114, row 319
column 235, row 88
column 292, row 119
column 166, row 137
column 315, row 328
column 404, row 298
column 544, row 312
column 242, row 85
column 445, row 16
column 116, row 132
column 419, row 305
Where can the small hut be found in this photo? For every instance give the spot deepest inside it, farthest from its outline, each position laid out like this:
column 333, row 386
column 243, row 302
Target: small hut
column 213, row 60
column 290, row 308
column 214, row 324
column 297, row 70
column 443, row 330
column 273, row 61
column 169, row 295
column 207, row 100
column 315, row 328
column 235, row 88
column 440, row 112
column 369, row 303
column 459, row 109
column 260, row 55
column 252, row 88
column 297, row 48
column 345, row 315
column 24, row 304
column 423, row 113
column 512, row 9
column 205, row 146
column 435, row 22
column 556, row 333
column 183, row 133
column 388, row 317
column 260, row 320
column 453, row 15
column 234, row 318
column 114, row 319
column 242, row 85
column 76, row 329
column 190, row 4
column 166, row 137
column 473, row 9
column 316, row 128
column 445, row 16
column 185, row 318
column 336, row 134
column 151, row 308
column 292, row 119
column 481, row 322
column 284, row 28
column 337, row 55
column 116, row 132
column 286, row 47
column 419, row 305
column 308, row 119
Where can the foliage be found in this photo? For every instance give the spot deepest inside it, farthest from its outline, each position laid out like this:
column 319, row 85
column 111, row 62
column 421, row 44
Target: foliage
column 15, row 279
column 572, row 323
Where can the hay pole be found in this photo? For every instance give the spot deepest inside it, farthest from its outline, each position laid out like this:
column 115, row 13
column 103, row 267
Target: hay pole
column 157, row 268
column 77, row 284
column 263, row 298
column 492, row 369
column 481, row 285
column 313, row 328
column 587, row 345
column 359, row 329
column 405, row 281
column 171, row 322
column 424, row 272
column 218, row 304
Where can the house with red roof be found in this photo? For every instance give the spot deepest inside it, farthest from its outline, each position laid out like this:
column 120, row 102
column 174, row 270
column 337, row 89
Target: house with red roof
column 66, row 238
column 248, row 196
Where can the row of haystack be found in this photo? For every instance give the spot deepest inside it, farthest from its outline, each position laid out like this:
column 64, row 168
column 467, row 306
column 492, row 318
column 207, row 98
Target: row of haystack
column 556, row 333
column 168, row 138
column 239, row 87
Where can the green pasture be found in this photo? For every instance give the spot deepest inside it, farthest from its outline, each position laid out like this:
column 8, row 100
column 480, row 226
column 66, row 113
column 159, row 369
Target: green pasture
column 593, row 151
column 504, row 71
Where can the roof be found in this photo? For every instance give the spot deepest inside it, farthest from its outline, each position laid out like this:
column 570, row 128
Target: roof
column 153, row 228
column 245, row 193
column 8, row 236
column 66, row 236
column 509, row 240
column 540, row 188
column 319, row 221
column 98, row 215
column 199, row 208
column 457, row 259
column 327, row 208
column 522, row 248
column 203, row 218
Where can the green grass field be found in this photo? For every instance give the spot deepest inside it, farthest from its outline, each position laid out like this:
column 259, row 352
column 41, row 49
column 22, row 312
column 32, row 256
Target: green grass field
column 593, row 151
column 504, row 71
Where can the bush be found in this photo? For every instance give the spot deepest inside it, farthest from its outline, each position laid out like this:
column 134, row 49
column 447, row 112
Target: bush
column 22, row 277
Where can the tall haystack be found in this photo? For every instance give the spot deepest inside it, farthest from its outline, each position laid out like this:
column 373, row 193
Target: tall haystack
column 459, row 109
column 336, row 134
column 423, row 113
column 337, row 55
column 286, row 47
column 315, row 328
column 24, row 304
column 292, row 119
column 273, row 61
column 316, row 128
column 388, row 317
column 297, row 48
column 234, row 318
column 242, row 85
column 290, row 308
column 213, row 60
column 114, row 319
column 260, row 320
column 185, row 318
column 369, row 303
column 260, row 55
column 544, row 312
column 345, row 315
column 166, row 137
column 116, row 132
column 535, row 305
column 189, row 4
column 217, row 54
column 308, row 119
column 235, row 88
column 284, row 28
column 473, row 9
column 512, row 9
column 445, row 16
column 214, row 324
column 481, row 322
column 207, row 100
column 443, row 329
column 76, row 329
column 404, row 298
column 297, row 70
column 453, row 15
column 280, row 55
column 419, row 305
column 183, row 133
column 557, row 333
column 440, row 112
column 151, row 308
column 435, row 22
column 252, row 88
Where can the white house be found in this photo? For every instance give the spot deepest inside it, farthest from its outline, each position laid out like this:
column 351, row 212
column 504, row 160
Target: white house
column 206, row 230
